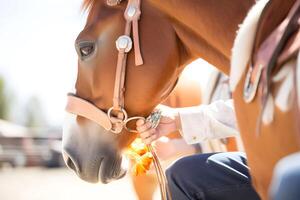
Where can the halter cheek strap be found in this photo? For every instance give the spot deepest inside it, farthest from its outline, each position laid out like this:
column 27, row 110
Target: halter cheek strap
column 124, row 44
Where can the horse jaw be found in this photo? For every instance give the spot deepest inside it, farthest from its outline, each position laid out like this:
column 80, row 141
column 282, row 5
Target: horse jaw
column 91, row 151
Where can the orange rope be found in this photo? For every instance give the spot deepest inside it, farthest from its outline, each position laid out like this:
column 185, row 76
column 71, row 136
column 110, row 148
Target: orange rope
column 142, row 156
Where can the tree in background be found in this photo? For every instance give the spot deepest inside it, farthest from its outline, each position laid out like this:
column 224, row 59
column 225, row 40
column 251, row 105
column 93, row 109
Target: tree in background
column 34, row 113
column 4, row 102
column 30, row 114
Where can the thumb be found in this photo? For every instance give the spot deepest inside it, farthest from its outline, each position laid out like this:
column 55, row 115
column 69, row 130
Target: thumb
column 140, row 122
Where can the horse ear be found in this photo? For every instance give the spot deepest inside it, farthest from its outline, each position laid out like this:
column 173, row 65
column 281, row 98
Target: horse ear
column 113, row 2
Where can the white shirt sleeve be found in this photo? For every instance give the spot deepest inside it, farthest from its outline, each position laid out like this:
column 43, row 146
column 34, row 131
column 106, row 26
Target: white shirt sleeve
column 213, row 121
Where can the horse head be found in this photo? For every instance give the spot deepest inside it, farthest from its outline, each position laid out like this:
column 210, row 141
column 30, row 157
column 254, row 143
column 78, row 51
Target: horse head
column 90, row 150
column 170, row 37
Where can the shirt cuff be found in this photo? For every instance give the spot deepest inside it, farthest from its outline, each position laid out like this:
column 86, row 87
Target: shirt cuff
column 199, row 124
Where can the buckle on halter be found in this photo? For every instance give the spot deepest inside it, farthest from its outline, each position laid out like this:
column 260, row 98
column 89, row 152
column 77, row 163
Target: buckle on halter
column 117, row 123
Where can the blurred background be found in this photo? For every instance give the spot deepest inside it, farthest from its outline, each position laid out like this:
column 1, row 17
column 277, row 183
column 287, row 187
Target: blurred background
column 37, row 68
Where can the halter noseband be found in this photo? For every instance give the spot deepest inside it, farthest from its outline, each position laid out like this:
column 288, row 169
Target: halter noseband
column 116, row 118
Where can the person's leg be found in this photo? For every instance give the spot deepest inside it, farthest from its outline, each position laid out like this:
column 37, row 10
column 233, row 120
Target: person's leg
column 286, row 181
column 220, row 176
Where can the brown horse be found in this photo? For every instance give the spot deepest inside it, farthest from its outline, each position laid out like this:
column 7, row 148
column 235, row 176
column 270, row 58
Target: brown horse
column 172, row 34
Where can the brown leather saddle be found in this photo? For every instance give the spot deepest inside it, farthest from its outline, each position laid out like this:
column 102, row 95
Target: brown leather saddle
column 277, row 41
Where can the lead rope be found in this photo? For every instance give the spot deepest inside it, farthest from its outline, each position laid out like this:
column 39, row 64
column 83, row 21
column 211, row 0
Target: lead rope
column 160, row 174
column 124, row 45
column 154, row 119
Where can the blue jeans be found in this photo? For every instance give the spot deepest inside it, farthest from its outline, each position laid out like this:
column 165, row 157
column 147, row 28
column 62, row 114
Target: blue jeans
column 286, row 181
column 223, row 176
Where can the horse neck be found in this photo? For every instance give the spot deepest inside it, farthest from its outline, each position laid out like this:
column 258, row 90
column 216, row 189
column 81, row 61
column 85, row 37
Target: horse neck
column 206, row 29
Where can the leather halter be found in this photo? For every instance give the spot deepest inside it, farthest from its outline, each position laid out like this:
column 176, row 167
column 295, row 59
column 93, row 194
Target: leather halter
column 116, row 117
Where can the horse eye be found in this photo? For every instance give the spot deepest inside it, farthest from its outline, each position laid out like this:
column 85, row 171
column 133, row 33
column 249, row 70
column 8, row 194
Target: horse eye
column 85, row 49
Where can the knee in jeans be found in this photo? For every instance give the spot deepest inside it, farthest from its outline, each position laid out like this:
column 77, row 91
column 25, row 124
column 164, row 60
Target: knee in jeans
column 173, row 171
column 225, row 157
column 177, row 170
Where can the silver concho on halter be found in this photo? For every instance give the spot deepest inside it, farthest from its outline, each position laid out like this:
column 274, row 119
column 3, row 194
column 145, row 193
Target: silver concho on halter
column 124, row 42
column 113, row 2
column 131, row 11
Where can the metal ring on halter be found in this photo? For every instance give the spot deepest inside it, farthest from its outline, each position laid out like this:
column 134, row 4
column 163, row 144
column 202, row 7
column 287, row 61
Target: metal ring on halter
column 115, row 120
column 153, row 118
column 130, row 119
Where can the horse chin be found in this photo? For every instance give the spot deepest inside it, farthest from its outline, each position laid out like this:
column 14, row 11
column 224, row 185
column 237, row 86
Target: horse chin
column 91, row 152
column 111, row 170
column 107, row 170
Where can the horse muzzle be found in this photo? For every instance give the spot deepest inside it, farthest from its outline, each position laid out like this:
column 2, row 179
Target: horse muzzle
column 91, row 152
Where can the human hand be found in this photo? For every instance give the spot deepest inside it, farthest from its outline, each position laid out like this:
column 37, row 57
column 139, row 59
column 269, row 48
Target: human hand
column 166, row 126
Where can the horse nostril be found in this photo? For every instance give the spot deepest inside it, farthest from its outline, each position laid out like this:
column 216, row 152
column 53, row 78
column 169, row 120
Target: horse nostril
column 70, row 162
